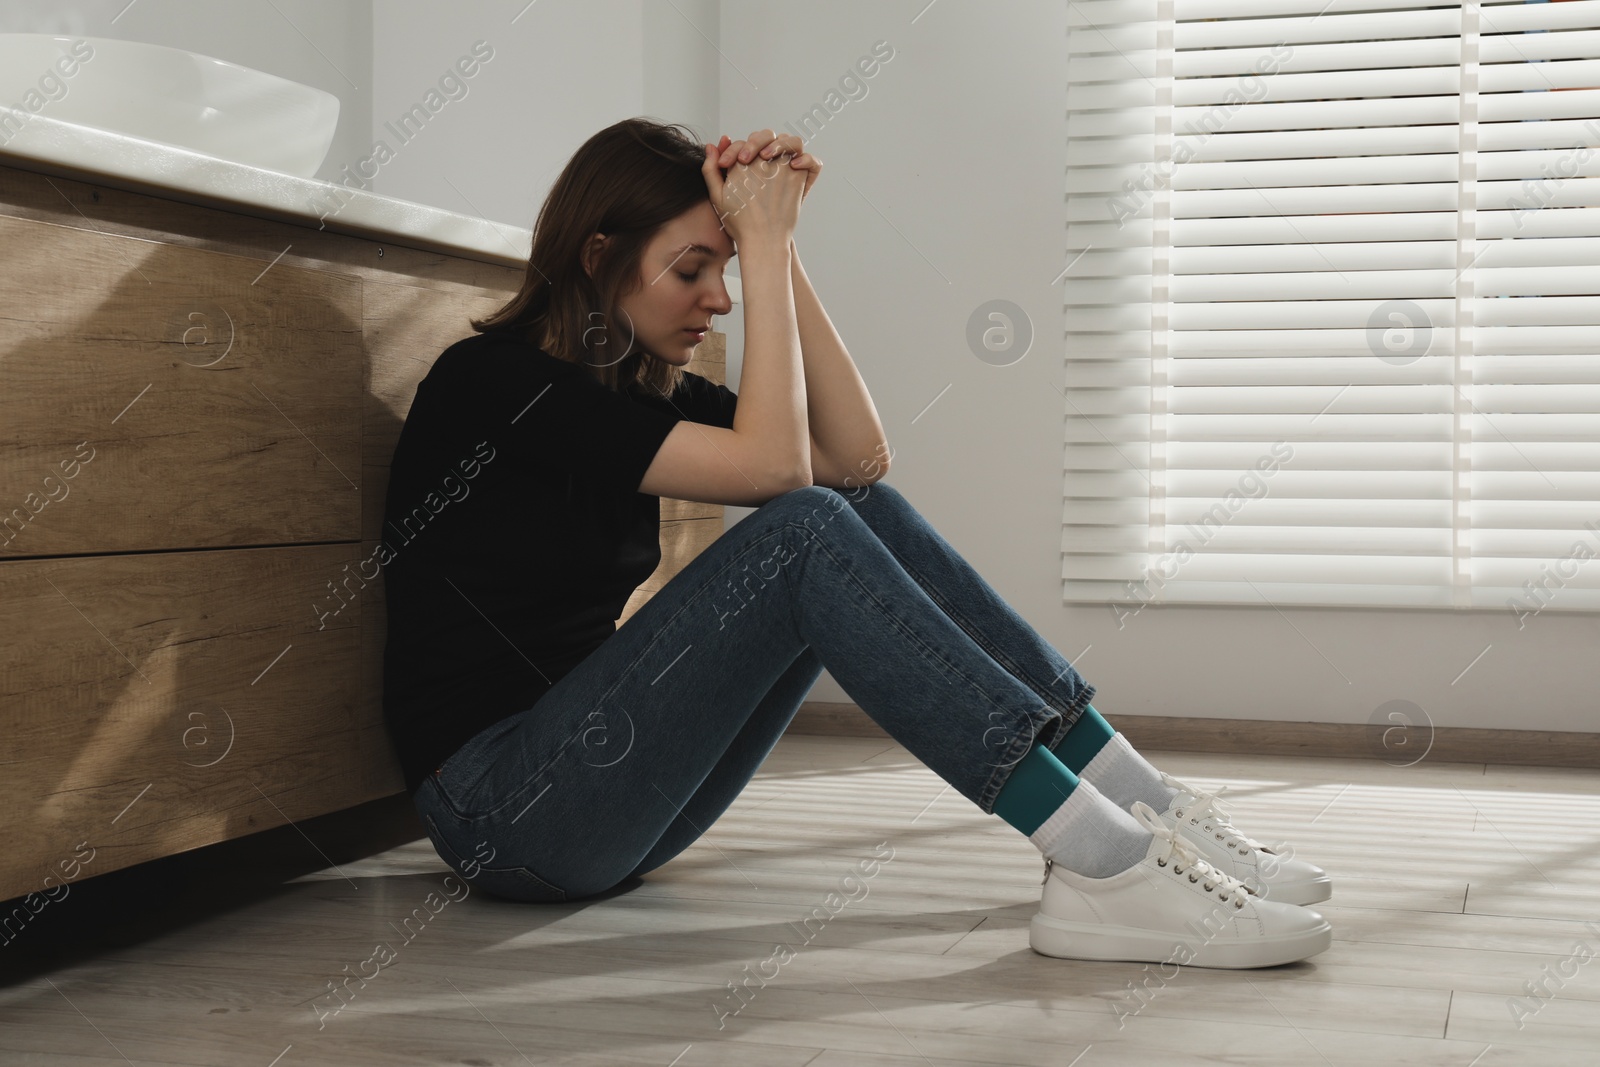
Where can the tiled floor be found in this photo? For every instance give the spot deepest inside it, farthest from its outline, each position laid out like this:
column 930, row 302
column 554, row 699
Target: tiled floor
column 1457, row 887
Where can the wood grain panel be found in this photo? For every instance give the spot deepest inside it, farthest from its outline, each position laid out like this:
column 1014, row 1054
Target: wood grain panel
column 159, row 397
column 155, row 702
column 122, row 673
column 103, row 208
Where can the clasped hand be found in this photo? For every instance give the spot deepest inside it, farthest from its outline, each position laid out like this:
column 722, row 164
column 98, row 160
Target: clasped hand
column 758, row 184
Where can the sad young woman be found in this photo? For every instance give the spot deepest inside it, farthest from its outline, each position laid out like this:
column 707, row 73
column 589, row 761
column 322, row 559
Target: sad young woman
column 553, row 755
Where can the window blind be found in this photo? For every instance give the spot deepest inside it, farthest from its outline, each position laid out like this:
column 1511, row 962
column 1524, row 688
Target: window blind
column 1332, row 304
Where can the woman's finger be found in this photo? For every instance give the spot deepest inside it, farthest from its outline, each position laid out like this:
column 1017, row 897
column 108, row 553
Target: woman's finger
column 729, row 152
column 713, row 175
column 761, row 144
column 782, row 143
column 813, row 168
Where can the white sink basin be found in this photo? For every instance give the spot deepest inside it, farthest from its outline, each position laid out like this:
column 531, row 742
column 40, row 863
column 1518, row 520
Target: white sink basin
column 166, row 95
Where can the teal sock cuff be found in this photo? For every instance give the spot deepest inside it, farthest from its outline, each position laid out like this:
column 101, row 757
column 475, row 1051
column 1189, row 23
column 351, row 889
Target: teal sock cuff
column 1084, row 740
column 1037, row 786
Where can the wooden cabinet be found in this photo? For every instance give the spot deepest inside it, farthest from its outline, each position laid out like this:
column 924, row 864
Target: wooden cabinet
column 198, row 411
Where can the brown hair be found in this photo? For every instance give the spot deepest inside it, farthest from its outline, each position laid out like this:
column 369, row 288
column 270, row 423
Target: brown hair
column 627, row 181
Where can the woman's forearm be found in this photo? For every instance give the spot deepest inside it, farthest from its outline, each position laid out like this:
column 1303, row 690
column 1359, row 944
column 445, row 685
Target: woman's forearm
column 772, row 384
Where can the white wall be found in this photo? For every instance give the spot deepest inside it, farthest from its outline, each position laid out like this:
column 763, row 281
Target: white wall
column 559, row 73
column 315, row 42
column 943, row 189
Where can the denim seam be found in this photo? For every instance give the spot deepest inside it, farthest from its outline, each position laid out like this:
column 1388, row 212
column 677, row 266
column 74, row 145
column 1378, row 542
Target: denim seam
column 438, row 778
column 1036, row 719
column 515, row 793
column 1070, row 713
column 928, row 652
column 1074, row 708
column 994, row 651
column 622, row 675
column 1019, row 748
column 1066, row 716
column 511, row 869
column 684, row 606
column 655, row 639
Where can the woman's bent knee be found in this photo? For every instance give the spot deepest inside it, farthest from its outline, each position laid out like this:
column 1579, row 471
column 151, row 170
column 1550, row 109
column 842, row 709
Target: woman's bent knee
column 880, row 491
column 804, row 498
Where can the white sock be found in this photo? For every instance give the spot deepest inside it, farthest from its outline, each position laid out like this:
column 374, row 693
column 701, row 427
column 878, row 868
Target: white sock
column 1090, row 835
column 1124, row 776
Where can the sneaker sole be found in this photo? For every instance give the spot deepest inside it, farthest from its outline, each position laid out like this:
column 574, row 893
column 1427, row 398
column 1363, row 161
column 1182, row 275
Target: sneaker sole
column 1097, row 941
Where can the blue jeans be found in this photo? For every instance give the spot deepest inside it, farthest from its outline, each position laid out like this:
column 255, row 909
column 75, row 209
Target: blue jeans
column 631, row 755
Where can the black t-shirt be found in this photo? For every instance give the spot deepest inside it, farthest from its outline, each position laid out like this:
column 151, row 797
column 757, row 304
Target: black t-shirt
column 514, row 533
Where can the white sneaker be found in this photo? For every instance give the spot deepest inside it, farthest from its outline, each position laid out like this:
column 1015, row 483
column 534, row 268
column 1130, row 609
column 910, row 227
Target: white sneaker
column 1266, row 871
column 1170, row 907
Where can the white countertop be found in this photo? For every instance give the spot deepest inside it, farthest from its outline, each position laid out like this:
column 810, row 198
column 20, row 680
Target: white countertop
column 175, row 173
column 122, row 161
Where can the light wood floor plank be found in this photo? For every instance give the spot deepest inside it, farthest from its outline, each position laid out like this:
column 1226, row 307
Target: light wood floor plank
column 1455, row 885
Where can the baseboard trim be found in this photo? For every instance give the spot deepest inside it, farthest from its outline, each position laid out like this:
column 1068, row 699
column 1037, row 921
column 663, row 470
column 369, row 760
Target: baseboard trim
column 1532, row 748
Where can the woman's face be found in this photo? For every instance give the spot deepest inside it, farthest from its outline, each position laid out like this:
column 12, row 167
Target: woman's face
column 680, row 289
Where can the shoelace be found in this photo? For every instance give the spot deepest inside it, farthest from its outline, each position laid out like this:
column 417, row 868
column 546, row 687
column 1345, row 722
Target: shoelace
column 1183, row 858
column 1206, row 807
column 1186, row 859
